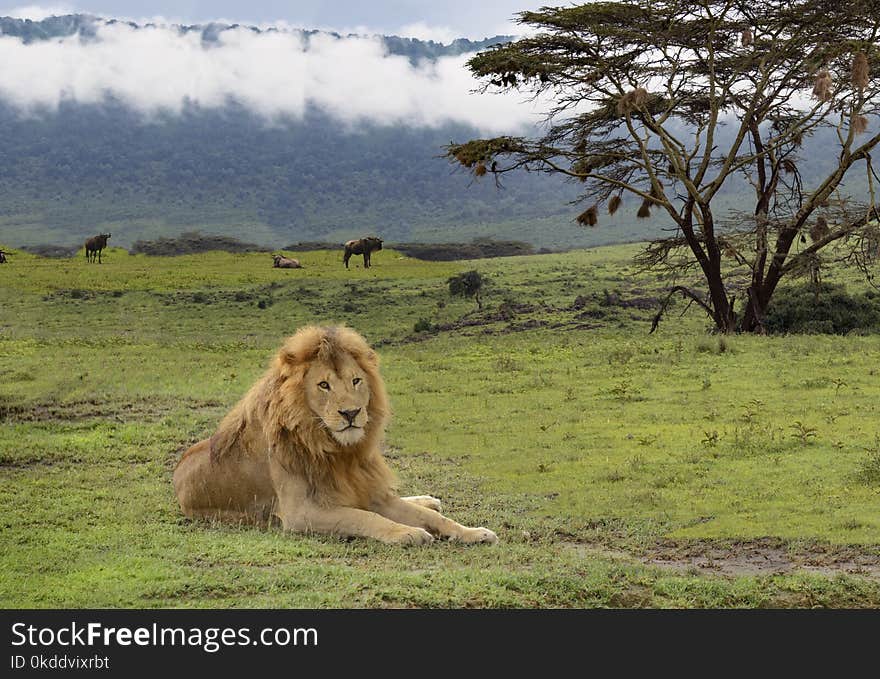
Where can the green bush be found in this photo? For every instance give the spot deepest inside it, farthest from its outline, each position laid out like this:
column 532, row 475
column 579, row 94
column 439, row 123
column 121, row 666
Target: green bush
column 50, row 250
column 479, row 248
column 467, row 284
column 423, row 325
column 828, row 310
column 192, row 242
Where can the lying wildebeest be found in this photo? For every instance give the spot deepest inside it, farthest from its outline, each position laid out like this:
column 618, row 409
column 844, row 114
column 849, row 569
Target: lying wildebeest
column 94, row 245
column 2, row 257
column 362, row 246
column 282, row 262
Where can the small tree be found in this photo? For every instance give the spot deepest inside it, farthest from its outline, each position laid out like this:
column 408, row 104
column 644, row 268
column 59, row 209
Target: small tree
column 468, row 284
column 641, row 92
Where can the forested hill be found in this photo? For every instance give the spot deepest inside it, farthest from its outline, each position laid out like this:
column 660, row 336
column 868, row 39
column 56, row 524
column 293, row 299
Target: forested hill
column 89, row 168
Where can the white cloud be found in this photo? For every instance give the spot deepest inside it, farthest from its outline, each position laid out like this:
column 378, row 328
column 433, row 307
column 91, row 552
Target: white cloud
column 38, row 12
column 274, row 74
column 422, row 31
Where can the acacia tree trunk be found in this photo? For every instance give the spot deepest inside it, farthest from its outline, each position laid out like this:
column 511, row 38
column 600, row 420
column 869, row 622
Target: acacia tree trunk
column 710, row 262
column 761, row 291
column 724, row 316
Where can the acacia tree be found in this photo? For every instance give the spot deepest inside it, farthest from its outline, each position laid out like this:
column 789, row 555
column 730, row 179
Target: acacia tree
column 672, row 102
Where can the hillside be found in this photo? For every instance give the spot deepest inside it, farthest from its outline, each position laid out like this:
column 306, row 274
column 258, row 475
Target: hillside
column 86, row 168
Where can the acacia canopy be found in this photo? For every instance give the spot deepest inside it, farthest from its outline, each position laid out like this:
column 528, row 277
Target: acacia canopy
column 661, row 104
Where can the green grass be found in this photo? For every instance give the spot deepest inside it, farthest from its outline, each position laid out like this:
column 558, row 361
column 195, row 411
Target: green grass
column 551, row 416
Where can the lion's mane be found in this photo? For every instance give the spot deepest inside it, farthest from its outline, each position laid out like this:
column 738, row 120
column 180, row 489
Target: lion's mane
column 274, row 416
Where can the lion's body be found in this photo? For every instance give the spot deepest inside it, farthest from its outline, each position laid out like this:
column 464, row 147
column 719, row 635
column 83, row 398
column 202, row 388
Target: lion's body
column 235, row 488
column 304, row 446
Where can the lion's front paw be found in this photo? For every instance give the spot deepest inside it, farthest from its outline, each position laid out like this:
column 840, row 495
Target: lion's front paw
column 426, row 501
column 472, row 536
column 410, row 536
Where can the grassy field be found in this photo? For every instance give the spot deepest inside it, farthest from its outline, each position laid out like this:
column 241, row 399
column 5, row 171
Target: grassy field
column 619, row 468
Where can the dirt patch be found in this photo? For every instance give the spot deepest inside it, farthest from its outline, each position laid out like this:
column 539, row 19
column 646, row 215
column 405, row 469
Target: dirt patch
column 765, row 556
column 586, row 312
column 577, row 326
column 94, row 409
column 740, row 558
column 68, row 294
column 25, row 463
column 262, row 296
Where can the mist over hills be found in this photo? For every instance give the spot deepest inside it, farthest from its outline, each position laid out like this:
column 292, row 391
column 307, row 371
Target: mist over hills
column 86, row 26
column 77, row 161
column 272, row 135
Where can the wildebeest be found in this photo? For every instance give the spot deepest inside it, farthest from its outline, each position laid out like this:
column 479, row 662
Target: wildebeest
column 282, row 262
column 94, row 245
column 2, row 257
column 362, row 246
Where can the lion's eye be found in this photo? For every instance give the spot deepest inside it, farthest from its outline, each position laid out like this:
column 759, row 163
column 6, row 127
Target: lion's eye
column 324, row 385
column 356, row 381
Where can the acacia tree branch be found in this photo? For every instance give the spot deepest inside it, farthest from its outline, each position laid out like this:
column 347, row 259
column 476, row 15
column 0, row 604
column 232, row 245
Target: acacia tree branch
column 655, row 322
column 795, row 262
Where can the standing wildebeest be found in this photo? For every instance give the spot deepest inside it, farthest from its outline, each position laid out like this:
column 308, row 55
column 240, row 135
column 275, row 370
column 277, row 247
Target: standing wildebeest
column 94, row 245
column 362, row 246
column 282, row 262
column 2, row 257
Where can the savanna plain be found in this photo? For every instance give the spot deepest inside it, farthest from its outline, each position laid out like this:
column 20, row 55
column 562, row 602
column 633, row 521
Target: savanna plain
column 619, row 468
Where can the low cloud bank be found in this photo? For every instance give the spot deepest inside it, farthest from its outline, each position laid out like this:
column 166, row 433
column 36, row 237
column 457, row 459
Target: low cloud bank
column 275, row 73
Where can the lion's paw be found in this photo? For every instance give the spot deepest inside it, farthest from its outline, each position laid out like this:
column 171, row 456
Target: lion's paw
column 410, row 536
column 471, row 536
column 426, row 501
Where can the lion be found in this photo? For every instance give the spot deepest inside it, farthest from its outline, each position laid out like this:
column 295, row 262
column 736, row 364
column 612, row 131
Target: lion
column 303, row 446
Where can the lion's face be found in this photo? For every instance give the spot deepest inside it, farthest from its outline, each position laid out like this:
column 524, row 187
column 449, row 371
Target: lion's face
column 339, row 393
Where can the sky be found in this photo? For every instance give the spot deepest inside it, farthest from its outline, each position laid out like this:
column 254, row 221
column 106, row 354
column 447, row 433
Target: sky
column 426, row 19
column 276, row 74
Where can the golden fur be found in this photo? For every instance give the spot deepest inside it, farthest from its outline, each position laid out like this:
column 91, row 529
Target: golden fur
column 304, row 446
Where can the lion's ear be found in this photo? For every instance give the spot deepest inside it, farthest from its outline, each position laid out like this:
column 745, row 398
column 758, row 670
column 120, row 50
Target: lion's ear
column 292, row 355
column 301, row 348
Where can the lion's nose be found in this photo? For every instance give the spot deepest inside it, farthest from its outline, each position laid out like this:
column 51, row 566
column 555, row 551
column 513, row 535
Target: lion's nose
column 350, row 414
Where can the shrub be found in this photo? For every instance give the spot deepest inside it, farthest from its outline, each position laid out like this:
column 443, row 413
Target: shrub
column 50, row 250
column 193, row 242
column 714, row 345
column 423, row 325
column 477, row 249
column 826, row 309
column 869, row 470
column 467, row 284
